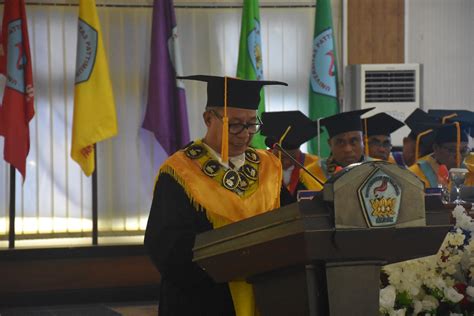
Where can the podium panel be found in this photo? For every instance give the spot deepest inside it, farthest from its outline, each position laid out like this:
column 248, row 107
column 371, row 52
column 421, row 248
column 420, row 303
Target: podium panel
column 300, row 265
column 301, row 262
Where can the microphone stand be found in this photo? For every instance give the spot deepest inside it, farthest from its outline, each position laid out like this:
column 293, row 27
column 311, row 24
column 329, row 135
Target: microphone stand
column 277, row 146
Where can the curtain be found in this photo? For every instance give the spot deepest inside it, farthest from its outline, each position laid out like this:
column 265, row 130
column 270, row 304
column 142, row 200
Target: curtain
column 55, row 200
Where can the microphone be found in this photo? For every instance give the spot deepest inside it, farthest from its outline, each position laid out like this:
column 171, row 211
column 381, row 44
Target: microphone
column 296, row 162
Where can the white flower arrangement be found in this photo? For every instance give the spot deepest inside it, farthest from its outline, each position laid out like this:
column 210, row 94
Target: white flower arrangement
column 442, row 284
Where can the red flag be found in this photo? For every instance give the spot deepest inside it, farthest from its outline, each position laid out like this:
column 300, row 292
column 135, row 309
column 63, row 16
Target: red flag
column 17, row 107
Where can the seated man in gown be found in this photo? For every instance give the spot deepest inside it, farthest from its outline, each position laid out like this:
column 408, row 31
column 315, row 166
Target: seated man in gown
column 378, row 129
column 449, row 149
column 346, row 144
column 419, row 124
column 290, row 129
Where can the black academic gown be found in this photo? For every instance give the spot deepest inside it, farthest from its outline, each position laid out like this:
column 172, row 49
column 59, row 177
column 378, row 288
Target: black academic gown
column 169, row 238
column 185, row 288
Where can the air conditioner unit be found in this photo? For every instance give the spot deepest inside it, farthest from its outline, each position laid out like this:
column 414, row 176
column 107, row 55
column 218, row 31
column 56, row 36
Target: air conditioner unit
column 391, row 88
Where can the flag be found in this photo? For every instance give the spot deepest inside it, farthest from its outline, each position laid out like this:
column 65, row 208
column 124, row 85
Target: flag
column 166, row 115
column 323, row 84
column 17, row 108
column 250, row 65
column 94, row 108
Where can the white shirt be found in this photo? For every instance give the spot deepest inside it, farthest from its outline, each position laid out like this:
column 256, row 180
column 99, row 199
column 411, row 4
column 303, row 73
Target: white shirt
column 287, row 175
column 237, row 161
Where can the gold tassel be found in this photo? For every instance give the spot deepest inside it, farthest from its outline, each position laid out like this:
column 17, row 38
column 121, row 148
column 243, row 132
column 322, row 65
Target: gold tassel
column 225, row 128
column 282, row 138
column 214, row 219
column 170, row 171
column 417, row 144
column 447, row 117
column 458, row 144
column 366, row 140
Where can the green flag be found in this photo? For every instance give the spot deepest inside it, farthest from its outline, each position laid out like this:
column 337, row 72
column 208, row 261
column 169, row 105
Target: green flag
column 323, row 96
column 250, row 55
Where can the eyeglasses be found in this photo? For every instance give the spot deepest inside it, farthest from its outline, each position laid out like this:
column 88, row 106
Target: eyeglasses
column 237, row 128
column 464, row 151
column 377, row 143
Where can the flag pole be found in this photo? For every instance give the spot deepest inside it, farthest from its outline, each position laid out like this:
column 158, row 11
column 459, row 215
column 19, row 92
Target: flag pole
column 95, row 217
column 11, row 231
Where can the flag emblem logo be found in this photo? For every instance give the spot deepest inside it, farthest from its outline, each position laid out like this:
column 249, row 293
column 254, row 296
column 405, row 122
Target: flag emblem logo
column 16, row 65
column 255, row 50
column 323, row 69
column 86, row 51
column 380, row 198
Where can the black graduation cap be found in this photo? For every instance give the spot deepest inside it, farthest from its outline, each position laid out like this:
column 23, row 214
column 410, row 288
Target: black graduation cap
column 275, row 125
column 423, row 124
column 448, row 133
column 382, row 124
column 419, row 121
column 450, row 114
column 465, row 117
column 344, row 122
column 243, row 94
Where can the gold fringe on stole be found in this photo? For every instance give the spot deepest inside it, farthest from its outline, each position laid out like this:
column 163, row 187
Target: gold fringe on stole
column 170, row 171
column 216, row 220
column 207, row 193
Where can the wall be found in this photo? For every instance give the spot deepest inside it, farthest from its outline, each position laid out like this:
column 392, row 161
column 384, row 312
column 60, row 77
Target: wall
column 440, row 36
column 375, row 31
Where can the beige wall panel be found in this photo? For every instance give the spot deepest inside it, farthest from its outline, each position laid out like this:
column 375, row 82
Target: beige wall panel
column 375, row 31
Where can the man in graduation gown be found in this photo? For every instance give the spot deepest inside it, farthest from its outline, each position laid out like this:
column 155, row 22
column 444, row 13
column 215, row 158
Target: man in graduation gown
column 212, row 182
column 346, row 144
column 290, row 129
column 379, row 128
column 419, row 142
column 466, row 118
column 449, row 149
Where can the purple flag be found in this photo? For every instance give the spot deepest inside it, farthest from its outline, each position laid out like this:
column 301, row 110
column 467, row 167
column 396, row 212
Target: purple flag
column 166, row 114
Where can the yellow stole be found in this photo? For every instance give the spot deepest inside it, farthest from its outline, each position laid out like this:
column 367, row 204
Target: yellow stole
column 469, row 162
column 224, row 206
column 309, row 159
column 318, row 172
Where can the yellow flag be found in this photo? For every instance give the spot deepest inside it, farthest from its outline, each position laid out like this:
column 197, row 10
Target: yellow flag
column 94, row 107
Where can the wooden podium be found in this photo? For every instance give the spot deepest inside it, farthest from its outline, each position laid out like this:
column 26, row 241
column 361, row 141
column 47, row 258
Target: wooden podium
column 300, row 263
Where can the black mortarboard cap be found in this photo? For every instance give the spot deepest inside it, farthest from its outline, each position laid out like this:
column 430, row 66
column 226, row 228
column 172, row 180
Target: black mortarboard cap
column 419, row 121
column 447, row 133
column 344, row 122
column 451, row 114
column 382, row 124
column 275, row 125
column 243, row 94
column 465, row 117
